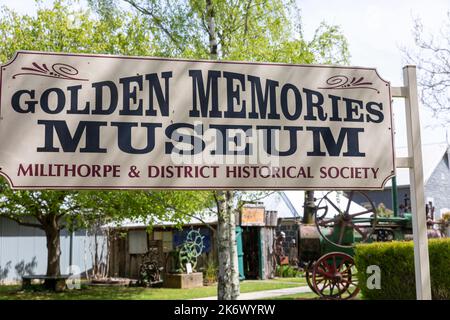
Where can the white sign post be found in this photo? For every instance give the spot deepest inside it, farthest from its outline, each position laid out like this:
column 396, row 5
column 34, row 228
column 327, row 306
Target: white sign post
column 414, row 163
column 78, row 121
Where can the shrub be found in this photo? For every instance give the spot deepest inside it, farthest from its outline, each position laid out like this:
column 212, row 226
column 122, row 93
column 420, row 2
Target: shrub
column 210, row 273
column 396, row 262
column 286, row 271
column 446, row 217
column 444, row 223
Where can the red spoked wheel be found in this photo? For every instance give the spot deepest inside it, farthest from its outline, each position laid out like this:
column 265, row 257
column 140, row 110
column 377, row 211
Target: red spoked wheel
column 308, row 276
column 334, row 276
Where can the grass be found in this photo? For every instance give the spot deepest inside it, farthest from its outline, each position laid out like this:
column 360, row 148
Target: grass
column 307, row 295
column 137, row 293
column 299, row 280
column 302, row 296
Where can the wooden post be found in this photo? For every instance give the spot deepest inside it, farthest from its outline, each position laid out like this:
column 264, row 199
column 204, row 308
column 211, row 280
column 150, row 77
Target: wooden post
column 414, row 163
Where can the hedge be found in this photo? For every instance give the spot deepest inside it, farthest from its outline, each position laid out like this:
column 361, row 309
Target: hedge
column 396, row 262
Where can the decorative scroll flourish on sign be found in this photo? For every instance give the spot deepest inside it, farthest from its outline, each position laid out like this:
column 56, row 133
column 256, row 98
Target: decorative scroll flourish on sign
column 58, row 70
column 344, row 82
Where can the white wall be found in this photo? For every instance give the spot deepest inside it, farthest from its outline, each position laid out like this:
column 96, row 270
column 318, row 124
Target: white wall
column 23, row 250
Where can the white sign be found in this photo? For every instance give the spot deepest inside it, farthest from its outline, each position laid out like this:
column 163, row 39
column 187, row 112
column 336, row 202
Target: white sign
column 188, row 268
column 72, row 121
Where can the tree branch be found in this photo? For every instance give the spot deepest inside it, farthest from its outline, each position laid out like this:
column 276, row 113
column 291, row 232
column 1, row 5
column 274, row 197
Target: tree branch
column 156, row 20
column 201, row 220
column 247, row 10
column 216, row 199
column 22, row 223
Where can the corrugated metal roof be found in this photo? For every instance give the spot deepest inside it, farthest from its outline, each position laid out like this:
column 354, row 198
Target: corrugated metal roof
column 288, row 204
column 208, row 217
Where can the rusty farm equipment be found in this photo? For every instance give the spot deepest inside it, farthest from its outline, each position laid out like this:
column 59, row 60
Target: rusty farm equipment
column 327, row 242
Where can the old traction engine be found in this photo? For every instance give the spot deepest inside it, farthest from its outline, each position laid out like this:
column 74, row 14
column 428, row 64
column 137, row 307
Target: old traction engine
column 328, row 233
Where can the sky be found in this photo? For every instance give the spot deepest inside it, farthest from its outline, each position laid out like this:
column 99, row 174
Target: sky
column 375, row 30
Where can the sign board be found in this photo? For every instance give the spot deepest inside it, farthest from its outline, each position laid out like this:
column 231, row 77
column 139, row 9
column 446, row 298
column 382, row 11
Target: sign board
column 252, row 216
column 72, row 121
column 188, row 268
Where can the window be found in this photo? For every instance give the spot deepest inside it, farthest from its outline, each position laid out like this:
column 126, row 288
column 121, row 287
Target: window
column 166, row 237
column 137, row 242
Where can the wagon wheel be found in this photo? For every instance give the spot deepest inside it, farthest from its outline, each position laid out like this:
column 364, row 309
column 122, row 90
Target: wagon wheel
column 308, row 276
column 196, row 241
column 334, row 276
column 345, row 221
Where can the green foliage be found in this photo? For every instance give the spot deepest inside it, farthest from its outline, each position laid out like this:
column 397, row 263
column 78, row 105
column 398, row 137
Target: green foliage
column 287, row 271
column 134, row 293
column 384, row 212
column 329, row 45
column 145, row 206
column 444, row 222
column 83, row 208
column 210, row 272
column 396, row 263
column 446, row 218
column 65, row 29
column 259, row 30
column 17, row 205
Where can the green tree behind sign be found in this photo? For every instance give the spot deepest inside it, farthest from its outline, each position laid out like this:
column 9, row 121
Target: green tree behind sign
column 63, row 29
column 251, row 30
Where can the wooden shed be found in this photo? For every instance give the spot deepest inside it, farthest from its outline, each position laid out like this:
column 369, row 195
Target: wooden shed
column 257, row 234
column 130, row 245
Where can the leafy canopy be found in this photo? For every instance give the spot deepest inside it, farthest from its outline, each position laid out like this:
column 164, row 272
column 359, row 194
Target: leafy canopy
column 251, row 30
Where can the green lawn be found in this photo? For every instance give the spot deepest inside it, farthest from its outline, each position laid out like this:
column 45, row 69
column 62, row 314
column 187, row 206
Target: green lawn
column 299, row 280
column 308, row 295
column 136, row 293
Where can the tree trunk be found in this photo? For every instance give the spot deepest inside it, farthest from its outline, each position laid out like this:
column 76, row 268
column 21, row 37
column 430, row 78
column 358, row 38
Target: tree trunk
column 53, row 249
column 228, row 281
column 211, row 30
column 224, row 252
column 235, row 285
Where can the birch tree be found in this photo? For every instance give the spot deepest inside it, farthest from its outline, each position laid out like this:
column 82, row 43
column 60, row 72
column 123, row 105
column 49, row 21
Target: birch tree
column 251, row 30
